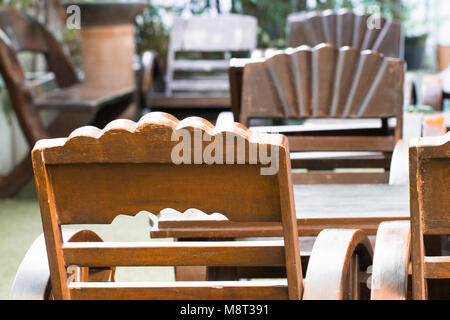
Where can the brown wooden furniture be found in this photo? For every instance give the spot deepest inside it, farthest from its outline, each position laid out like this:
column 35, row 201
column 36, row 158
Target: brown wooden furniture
column 424, row 251
column 107, row 37
column 443, row 56
column 430, row 204
column 317, row 207
column 325, row 82
column 193, row 80
column 346, row 28
column 80, row 177
column 381, row 210
column 77, row 104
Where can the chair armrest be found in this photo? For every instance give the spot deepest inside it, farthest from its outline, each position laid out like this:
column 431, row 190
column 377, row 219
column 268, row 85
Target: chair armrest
column 399, row 172
column 391, row 261
column 330, row 265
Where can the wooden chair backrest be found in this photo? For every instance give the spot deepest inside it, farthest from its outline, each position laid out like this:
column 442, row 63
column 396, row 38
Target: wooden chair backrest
column 346, row 28
column 223, row 34
column 323, row 82
column 20, row 32
column 94, row 175
column 429, row 160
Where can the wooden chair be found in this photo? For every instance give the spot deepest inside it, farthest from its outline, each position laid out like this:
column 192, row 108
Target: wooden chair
column 346, row 28
column 134, row 160
column 77, row 104
column 429, row 160
column 326, row 82
column 196, row 81
column 423, row 249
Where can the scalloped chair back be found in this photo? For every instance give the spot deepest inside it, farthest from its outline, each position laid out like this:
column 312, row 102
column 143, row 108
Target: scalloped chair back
column 94, row 175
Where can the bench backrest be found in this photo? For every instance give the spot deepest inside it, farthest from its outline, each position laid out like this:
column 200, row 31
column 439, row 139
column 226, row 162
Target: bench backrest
column 221, row 34
column 346, row 28
column 429, row 160
column 94, row 175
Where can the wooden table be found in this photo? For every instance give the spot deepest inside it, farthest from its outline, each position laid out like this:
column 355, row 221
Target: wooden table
column 318, row 207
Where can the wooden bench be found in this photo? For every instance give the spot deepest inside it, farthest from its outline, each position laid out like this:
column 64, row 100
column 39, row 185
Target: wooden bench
column 198, row 81
column 324, row 83
column 130, row 167
column 346, row 28
column 76, row 104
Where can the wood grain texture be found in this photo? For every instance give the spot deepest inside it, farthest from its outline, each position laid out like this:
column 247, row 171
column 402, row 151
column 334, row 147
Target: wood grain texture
column 315, row 210
column 237, row 290
column 77, row 105
column 345, row 83
column 32, row 280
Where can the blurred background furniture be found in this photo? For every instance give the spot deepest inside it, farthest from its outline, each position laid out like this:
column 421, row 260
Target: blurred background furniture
column 430, row 223
column 345, row 28
column 75, row 103
column 200, row 48
column 360, row 91
column 107, row 42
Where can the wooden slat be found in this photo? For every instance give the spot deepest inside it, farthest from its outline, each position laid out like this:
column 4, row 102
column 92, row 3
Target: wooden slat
column 253, row 253
column 323, row 73
column 344, row 28
column 232, row 290
column 282, row 77
column 298, row 144
column 368, row 69
column 437, row 267
column 345, row 72
column 316, row 209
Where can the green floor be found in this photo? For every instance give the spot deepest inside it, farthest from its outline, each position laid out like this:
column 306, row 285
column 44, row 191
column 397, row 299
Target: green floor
column 20, row 224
